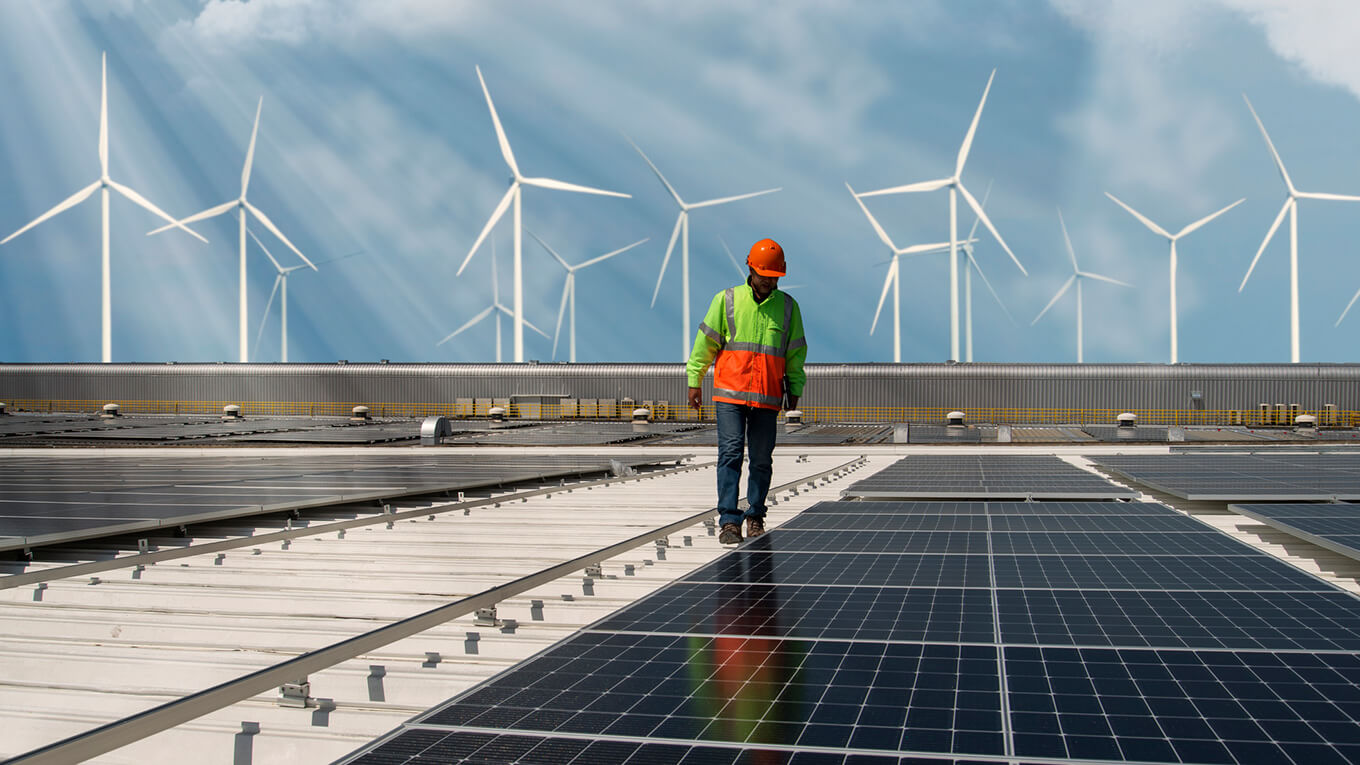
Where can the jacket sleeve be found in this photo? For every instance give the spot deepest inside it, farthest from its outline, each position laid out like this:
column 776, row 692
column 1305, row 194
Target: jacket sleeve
column 707, row 343
column 793, row 361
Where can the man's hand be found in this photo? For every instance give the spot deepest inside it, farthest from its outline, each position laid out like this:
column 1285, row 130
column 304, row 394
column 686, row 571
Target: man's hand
column 696, row 398
column 793, row 401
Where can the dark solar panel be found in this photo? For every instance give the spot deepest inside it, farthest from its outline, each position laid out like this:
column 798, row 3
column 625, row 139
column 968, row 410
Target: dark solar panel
column 873, row 569
column 985, row 477
column 1117, row 434
column 993, row 508
column 1333, row 525
column 943, row 434
column 1285, row 476
column 1252, row 573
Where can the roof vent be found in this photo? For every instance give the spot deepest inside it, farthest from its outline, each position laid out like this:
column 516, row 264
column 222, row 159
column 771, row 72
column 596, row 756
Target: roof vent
column 433, row 430
column 1127, row 420
column 641, row 414
column 793, row 417
column 359, row 414
column 110, row 410
column 1306, row 424
column 232, row 412
column 497, row 413
column 954, row 418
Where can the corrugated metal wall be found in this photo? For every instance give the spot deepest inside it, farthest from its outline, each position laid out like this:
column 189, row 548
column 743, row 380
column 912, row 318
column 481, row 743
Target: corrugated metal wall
column 1031, row 386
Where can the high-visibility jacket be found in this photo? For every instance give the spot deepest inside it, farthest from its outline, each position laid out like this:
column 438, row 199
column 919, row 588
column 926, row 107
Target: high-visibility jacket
column 754, row 344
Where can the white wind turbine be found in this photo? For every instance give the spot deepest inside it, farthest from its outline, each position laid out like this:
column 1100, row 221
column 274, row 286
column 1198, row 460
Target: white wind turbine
column 955, row 185
column 242, row 206
column 893, row 279
column 973, row 265
column 1076, row 278
column 682, row 230
column 569, row 288
column 1291, row 206
column 496, row 307
column 103, row 184
column 517, row 182
column 281, row 284
column 1172, row 238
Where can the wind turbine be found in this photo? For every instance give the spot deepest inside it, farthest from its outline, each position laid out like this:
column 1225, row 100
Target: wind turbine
column 955, row 185
column 682, row 230
column 1172, row 238
column 242, row 206
column 103, row 184
column 973, row 265
column 517, row 183
column 1291, row 206
column 569, row 289
column 495, row 306
column 1076, row 278
column 281, row 281
column 893, row 278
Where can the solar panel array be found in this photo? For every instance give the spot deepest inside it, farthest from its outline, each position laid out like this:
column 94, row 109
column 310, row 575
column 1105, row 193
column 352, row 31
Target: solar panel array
column 1288, row 476
column 1180, row 644
column 945, row 434
column 1333, row 525
column 47, row 499
column 809, row 434
column 985, row 476
column 1117, row 434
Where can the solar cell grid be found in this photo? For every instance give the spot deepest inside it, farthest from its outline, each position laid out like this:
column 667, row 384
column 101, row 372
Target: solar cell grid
column 1335, row 526
column 1252, row 573
column 1285, row 476
column 985, row 476
column 987, row 507
column 828, row 540
column 883, row 522
column 1115, row 543
column 887, row 569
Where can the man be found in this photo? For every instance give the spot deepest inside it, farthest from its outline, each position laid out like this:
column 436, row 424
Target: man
column 755, row 333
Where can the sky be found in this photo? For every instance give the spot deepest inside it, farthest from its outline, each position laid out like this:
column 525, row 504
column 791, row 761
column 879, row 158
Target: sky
column 375, row 138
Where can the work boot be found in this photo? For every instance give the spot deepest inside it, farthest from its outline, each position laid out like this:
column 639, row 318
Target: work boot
column 730, row 534
column 754, row 527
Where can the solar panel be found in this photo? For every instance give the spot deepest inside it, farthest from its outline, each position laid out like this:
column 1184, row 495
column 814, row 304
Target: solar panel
column 1335, row 526
column 1118, row 434
column 985, row 477
column 1150, row 637
column 1243, row 477
column 943, row 434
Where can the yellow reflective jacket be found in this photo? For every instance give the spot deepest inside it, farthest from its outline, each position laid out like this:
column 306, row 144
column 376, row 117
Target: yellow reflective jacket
column 755, row 345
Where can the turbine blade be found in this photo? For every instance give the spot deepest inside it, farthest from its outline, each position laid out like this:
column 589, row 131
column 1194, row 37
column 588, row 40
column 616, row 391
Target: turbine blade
column 561, row 310
column 740, row 274
column 485, row 313
column 1331, row 197
column 250, row 151
column 922, row 249
column 339, row 257
column 267, row 306
column 882, row 235
column 1279, row 163
column 887, row 282
column 972, row 128
column 208, row 213
column 1071, row 253
column 911, row 188
column 144, row 202
column 972, row 232
column 500, row 131
column 550, row 250
column 1288, row 201
column 1348, row 308
column 609, row 255
column 1066, row 286
column 1089, row 275
column 65, row 204
column 675, row 232
column 1152, row 226
column 104, row 115
column 528, row 324
column 269, row 224
column 1207, row 218
column 725, row 200
column 990, row 288
column 549, row 183
column 982, row 215
column 490, row 224
column 277, row 266
column 675, row 194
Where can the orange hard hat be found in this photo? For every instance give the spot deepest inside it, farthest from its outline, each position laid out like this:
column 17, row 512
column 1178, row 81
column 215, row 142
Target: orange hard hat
column 767, row 258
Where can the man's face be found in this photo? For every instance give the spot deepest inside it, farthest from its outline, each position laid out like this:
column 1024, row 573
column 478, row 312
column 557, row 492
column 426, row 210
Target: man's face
column 763, row 285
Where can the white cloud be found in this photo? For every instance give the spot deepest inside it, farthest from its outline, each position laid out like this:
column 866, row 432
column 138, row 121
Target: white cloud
column 233, row 22
column 1317, row 35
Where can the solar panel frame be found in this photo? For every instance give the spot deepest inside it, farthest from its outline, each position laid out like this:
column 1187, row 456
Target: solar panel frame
column 985, row 477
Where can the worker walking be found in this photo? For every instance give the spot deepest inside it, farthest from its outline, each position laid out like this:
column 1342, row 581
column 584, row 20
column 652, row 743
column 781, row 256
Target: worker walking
column 755, row 333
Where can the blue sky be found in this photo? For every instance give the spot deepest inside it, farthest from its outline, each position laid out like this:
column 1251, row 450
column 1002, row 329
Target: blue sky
column 375, row 136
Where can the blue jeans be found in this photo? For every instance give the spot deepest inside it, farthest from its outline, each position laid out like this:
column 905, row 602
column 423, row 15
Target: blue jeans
column 753, row 428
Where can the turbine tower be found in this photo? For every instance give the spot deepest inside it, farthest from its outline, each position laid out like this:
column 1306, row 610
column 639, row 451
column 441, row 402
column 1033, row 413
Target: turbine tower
column 103, row 184
column 1172, row 238
column 973, row 265
column 569, row 288
column 242, row 206
column 517, row 183
column 682, row 230
column 495, row 306
column 1291, row 206
column 893, row 278
column 955, row 185
column 1076, row 278
column 281, row 284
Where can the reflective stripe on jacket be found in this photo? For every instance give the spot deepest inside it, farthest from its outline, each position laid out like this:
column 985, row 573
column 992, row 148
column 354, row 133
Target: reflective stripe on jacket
column 755, row 345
